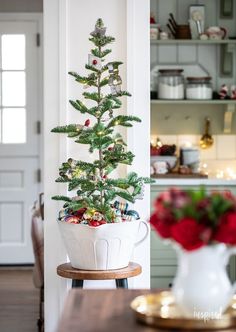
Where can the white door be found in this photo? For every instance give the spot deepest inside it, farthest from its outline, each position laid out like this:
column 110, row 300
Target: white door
column 19, row 138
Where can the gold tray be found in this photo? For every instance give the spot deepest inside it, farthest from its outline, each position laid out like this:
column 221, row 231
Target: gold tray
column 160, row 310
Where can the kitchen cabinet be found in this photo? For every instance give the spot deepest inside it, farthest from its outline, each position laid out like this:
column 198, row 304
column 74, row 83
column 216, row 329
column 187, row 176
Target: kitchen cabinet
column 163, row 256
column 215, row 58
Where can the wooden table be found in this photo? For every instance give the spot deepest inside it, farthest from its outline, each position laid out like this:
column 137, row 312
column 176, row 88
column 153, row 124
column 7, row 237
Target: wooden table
column 103, row 311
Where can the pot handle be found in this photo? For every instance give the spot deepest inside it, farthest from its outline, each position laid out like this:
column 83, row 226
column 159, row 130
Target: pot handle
column 230, row 252
column 145, row 235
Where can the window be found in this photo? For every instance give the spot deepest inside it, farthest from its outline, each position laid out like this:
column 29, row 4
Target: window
column 13, row 89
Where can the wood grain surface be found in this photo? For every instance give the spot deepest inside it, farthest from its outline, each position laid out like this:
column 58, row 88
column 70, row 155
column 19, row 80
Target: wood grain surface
column 67, row 271
column 104, row 311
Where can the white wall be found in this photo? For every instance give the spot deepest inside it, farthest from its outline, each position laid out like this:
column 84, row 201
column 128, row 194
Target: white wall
column 67, row 25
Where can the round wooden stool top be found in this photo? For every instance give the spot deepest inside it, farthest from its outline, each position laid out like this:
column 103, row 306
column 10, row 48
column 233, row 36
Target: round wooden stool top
column 67, row 271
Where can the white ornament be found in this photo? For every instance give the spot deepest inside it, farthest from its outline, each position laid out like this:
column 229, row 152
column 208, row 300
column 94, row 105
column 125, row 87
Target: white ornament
column 94, row 61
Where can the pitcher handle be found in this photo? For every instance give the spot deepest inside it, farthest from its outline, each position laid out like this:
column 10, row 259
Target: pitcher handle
column 230, row 252
column 145, row 235
column 224, row 32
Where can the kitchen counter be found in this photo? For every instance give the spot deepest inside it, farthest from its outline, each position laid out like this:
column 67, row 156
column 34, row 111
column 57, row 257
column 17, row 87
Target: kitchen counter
column 194, row 182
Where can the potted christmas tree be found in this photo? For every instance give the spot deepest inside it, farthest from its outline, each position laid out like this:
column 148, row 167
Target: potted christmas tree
column 99, row 230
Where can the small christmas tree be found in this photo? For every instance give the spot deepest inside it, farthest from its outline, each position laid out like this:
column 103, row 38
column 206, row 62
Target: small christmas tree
column 96, row 191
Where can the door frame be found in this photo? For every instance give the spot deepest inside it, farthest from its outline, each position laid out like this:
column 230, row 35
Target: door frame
column 56, row 64
column 38, row 19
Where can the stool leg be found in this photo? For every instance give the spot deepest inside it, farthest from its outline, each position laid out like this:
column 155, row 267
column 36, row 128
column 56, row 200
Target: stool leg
column 122, row 283
column 77, row 283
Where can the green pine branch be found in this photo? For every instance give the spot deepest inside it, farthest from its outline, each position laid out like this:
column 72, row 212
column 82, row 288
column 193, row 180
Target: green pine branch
column 92, row 96
column 100, row 54
column 123, row 120
column 71, row 128
column 90, row 80
column 62, row 198
column 102, row 41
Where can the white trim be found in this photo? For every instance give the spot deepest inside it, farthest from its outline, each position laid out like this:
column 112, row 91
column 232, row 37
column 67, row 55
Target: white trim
column 138, row 83
column 54, row 40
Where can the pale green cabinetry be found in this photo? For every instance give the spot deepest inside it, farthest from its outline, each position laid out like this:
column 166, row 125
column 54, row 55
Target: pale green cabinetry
column 163, row 257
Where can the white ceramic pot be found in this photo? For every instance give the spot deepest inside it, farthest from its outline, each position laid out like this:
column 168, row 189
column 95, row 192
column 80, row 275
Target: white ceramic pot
column 202, row 288
column 105, row 247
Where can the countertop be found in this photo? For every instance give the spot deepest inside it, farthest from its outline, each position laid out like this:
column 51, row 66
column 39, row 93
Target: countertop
column 194, row 182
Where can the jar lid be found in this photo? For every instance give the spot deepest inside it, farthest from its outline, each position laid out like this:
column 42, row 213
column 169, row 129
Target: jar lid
column 170, row 71
column 198, row 79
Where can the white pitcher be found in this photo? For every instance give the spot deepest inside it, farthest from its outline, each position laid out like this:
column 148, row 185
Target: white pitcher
column 202, row 287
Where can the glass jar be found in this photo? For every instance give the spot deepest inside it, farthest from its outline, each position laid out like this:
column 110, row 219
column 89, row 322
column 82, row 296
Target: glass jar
column 199, row 88
column 170, row 84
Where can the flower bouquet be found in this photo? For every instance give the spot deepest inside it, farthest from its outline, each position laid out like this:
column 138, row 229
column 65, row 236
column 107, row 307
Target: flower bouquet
column 202, row 227
column 195, row 219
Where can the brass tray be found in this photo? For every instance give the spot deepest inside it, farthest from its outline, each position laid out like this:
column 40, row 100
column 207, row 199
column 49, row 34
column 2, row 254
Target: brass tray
column 160, row 310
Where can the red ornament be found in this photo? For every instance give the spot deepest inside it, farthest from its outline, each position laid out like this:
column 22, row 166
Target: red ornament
column 104, row 177
column 95, row 62
column 87, row 123
column 96, row 223
column 110, row 148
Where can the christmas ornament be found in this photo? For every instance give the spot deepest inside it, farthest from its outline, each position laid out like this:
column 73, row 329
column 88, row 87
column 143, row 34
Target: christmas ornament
column 121, row 206
column 99, row 30
column 97, row 216
column 72, row 162
column 128, row 218
column 111, row 113
column 114, row 79
column 79, row 213
column 223, row 92
column 62, row 214
column 72, row 219
column 94, row 61
column 133, row 213
column 141, row 194
column 87, row 123
column 233, row 92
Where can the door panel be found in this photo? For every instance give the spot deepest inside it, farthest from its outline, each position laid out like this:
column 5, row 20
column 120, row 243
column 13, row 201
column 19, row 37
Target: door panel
column 19, row 140
column 18, row 191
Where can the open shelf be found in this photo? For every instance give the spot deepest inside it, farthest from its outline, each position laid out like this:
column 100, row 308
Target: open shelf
column 190, row 102
column 192, row 42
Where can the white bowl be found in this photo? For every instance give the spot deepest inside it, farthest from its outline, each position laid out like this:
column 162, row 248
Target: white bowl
column 170, row 160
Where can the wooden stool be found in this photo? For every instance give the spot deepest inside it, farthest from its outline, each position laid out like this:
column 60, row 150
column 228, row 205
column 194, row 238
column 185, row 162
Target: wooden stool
column 78, row 276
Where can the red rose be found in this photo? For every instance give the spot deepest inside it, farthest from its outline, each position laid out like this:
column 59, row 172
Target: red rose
column 161, row 226
column 187, row 232
column 226, row 231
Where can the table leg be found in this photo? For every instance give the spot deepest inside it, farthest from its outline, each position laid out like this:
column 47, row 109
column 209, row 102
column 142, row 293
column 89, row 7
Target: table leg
column 77, row 283
column 122, row 283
